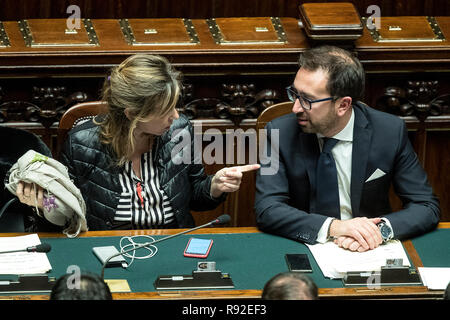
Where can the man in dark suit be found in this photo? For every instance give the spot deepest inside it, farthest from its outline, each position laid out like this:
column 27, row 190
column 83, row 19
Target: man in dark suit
column 338, row 188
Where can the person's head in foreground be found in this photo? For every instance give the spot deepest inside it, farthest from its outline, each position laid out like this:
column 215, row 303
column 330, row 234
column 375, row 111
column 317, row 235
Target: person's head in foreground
column 85, row 286
column 290, row 286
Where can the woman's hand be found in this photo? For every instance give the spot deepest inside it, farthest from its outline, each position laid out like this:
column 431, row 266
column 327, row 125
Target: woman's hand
column 28, row 195
column 229, row 179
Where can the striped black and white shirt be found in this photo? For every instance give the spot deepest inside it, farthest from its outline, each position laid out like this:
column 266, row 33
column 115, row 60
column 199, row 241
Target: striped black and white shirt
column 143, row 204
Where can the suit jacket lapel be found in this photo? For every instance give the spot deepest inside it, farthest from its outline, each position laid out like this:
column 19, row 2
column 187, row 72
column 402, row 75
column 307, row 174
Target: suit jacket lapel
column 362, row 134
column 309, row 151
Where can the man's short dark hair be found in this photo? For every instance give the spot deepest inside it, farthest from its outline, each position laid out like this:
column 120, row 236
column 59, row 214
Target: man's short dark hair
column 290, row 286
column 90, row 287
column 345, row 71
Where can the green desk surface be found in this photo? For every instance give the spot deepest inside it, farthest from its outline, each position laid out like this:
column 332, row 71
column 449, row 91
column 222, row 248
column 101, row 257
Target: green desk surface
column 250, row 259
column 434, row 248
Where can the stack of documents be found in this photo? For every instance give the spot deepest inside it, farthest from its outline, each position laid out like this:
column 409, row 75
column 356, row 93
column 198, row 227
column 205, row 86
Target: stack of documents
column 22, row 262
column 335, row 262
column 435, row 278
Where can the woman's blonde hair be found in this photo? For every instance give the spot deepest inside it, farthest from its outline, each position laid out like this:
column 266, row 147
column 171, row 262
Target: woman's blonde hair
column 147, row 86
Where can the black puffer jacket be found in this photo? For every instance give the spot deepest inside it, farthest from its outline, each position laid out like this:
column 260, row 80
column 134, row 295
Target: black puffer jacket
column 92, row 168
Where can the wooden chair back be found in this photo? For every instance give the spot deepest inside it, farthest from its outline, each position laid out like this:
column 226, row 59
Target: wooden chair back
column 76, row 115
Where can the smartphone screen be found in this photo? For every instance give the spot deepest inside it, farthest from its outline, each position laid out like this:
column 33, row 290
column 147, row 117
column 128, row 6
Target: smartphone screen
column 198, row 248
column 298, row 262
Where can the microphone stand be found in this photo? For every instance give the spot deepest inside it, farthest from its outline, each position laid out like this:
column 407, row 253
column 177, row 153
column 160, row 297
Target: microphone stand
column 151, row 243
column 31, row 249
column 13, row 251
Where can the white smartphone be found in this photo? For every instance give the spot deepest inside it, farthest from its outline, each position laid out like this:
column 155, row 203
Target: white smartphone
column 103, row 253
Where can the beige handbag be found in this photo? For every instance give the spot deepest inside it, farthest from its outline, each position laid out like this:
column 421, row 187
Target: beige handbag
column 63, row 202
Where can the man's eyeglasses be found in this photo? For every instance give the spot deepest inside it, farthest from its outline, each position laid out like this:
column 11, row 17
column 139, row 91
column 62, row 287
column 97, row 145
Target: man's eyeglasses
column 305, row 102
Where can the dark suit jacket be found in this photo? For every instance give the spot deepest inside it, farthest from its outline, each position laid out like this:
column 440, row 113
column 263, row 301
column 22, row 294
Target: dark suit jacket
column 285, row 202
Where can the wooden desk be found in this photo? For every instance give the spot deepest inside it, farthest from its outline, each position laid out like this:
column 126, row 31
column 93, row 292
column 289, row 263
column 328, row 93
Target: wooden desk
column 407, row 292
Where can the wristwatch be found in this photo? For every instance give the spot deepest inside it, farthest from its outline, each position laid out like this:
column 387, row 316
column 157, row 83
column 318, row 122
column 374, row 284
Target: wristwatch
column 386, row 231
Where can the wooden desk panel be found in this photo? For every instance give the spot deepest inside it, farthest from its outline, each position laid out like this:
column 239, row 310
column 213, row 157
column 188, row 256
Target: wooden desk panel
column 113, row 47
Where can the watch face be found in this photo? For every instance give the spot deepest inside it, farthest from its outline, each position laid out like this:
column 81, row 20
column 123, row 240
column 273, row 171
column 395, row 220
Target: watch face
column 385, row 231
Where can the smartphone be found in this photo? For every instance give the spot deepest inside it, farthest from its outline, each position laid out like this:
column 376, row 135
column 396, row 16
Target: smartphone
column 198, row 248
column 298, row 262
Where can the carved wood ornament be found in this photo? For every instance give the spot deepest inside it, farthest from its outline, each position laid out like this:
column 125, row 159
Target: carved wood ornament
column 237, row 102
column 419, row 99
column 47, row 106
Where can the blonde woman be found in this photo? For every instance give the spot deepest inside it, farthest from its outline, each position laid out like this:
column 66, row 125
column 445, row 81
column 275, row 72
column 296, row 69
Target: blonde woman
column 122, row 162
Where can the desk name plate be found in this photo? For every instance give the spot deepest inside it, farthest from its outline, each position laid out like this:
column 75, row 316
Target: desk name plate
column 205, row 277
column 26, row 283
column 393, row 274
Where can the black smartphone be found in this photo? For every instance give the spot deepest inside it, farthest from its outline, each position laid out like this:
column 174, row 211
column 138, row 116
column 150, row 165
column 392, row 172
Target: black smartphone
column 298, row 262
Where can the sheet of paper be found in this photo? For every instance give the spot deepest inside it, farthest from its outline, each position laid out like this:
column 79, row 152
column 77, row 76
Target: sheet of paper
column 335, row 261
column 22, row 262
column 118, row 285
column 435, row 278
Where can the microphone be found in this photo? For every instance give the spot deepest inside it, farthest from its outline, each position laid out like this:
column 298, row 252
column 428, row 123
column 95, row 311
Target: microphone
column 43, row 247
column 220, row 220
column 225, row 218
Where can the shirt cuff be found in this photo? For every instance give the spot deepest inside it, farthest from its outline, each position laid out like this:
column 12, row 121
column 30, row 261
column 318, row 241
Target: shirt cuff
column 323, row 231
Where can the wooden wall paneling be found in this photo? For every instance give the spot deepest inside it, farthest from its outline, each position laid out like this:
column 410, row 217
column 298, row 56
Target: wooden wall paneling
column 202, row 217
column 243, row 141
column 226, row 87
column 239, row 204
column 194, row 9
